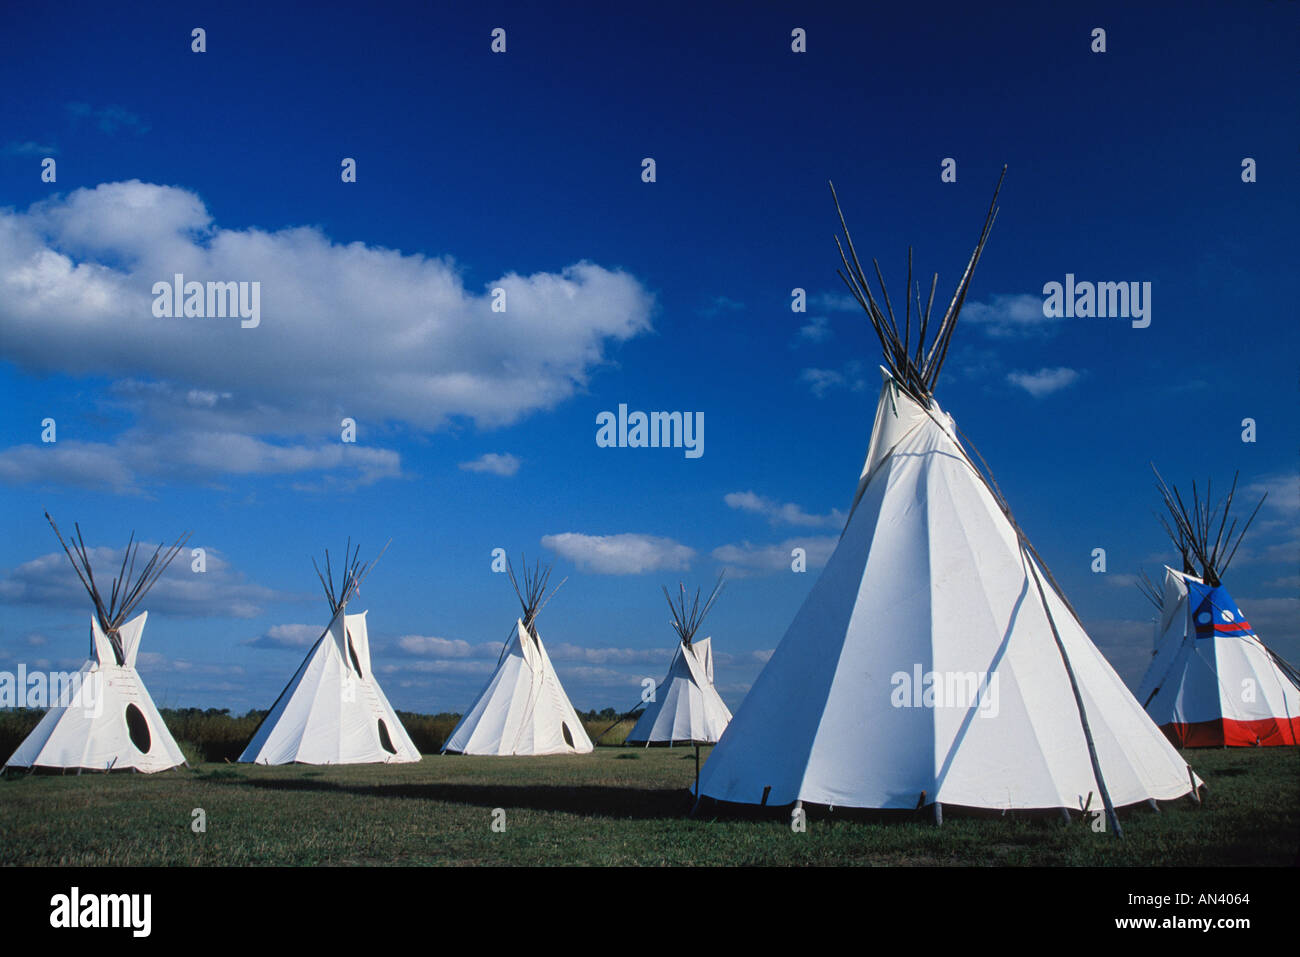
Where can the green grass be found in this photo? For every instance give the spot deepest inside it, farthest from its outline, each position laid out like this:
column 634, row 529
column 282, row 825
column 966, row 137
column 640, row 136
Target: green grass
column 616, row 806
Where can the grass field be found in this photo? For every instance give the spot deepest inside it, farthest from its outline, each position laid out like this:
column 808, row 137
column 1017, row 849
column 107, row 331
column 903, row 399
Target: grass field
column 616, row 806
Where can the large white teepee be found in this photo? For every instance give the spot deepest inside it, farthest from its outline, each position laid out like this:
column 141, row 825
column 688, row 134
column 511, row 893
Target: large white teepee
column 333, row 711
column 687, row 708
column 1212, row 682
column 934, row 661
column 110, row 723
column 523, row 708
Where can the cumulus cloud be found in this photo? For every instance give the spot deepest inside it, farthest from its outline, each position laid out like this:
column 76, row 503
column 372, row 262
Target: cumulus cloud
column 220, row 592
column 109, row 119
column 29, row 148
column 493, row 463
column 817, row 329
column 1005, row 316
column 347, row 330
column 719, row 305
column 431, row 646
column 298, row 637
column 835, row 302
column 779, row 513
column 199, row 456
column 821, row 381
column 455, row 667
column 562, row 651
column 747, row 559
column 1282, row 489
column 625, row 554
column 1045, row 381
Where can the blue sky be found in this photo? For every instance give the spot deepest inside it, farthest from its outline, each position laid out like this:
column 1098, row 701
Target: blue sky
column 523, row 170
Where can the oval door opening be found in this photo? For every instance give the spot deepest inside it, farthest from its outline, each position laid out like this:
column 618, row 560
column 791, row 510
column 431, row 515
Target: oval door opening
column 384, row 740
column 568, row 738
column 138, row 728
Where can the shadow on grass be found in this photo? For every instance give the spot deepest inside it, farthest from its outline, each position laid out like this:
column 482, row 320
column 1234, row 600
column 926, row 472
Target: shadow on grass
column 587, row 800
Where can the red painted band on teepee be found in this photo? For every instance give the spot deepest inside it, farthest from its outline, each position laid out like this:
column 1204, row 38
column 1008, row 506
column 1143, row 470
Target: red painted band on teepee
column 1264, row 732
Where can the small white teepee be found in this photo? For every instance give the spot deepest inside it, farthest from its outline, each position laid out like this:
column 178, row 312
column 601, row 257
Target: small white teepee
column 109, row 723
column 687, row 708
column 1212, row 682
column 523, row 709
column 935, row 662
column 333, row 711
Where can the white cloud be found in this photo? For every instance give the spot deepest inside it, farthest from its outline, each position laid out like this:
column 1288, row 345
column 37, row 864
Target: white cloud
column 459, row 667
column 109, row 118
column 749, row 559
column 835, row 302
column 781, row 513
column 821, row 381
column 431, row 646
column 29, row 148
column 625, row 554
column 1006, row 315
column 347, row 329
column 298, row 637
column 719, row 305
column 1283, row 490
column 1045, row 381
column 562, row 651
column 1286, row 581
column 494, row 463
column 202, row 457
column 817, row 329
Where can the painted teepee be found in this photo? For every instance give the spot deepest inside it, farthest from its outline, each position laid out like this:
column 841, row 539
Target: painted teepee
column 935, row 661
column 523, row 708
column 687, row 708
column 109, row 721
column 1212, row 682
column 333, row 711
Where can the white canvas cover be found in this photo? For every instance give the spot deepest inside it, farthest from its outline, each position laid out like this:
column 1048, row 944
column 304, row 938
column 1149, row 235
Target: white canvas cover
column 687, row 708
column 1216, row 684
column 523, row 708
column 333, row 711
column 923, row 661
column 112, row 725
